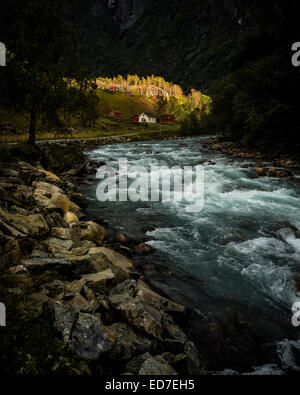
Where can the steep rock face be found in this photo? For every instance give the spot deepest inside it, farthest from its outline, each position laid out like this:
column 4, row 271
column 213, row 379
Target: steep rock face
column 190, row 42
column 126, row 12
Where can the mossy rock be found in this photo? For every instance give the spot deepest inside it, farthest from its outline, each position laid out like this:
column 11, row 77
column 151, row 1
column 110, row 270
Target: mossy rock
column 25, row 152
column 5, row 155
column 29, row 345
column 60, row 159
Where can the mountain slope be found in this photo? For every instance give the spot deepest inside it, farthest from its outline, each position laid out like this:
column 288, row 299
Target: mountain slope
column 190, row 42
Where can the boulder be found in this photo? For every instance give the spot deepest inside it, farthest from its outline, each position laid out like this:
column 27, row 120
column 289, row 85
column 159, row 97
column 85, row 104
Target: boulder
column 79, row 303
column 38, row 265
column 64, row 320
column 77, row 198
column 156, row 367
column 272, row 172
column 260, row 172
column 146, row 364
column 279, row 173
column 70, row 218
column 9, row 173
column 134, row 366
column 122, row 239
column 89, row 338
column 175, row 333
column 147, row 295
column 55, row 220
column 61, row 159
column 128, row 288
column 59, row 245
column 13, row 252
column 53, row 198
column 32, row 225
column 50, row 176
column 62, row 233
column 10, row 230
column 75, row 287
column 81, row 265
column 98, row 281
column 143, row 249
column 20, row 269
column 93, row 232
column 70, row 265
column 129, row 343
column 116, row 259
column 61, row 201
column 143, row 317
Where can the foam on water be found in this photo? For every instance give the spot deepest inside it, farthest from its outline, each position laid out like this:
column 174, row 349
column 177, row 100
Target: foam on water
column 239, row 246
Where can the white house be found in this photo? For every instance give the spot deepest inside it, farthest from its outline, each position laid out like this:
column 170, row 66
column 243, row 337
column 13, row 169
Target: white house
column 147, row 118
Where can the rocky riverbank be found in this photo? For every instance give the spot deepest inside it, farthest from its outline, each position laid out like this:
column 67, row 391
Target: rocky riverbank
column 75, row 305
column 265, row 164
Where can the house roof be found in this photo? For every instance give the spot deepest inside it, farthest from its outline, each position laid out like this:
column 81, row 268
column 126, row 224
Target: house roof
column 167, row 116
column 149, row 115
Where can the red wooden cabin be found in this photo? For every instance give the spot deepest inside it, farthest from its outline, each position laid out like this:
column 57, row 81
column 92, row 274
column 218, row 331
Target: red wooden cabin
column 135, row 119
column 114, row 88
column 118, row 115
column 167, row 119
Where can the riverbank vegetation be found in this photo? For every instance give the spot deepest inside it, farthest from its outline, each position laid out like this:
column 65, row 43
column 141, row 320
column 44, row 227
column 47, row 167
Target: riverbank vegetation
column 46, row 94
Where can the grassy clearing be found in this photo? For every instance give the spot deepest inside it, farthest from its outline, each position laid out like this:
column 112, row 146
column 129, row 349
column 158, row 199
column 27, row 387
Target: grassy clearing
column 89, row 134
column 104, row 126
column 128, row 105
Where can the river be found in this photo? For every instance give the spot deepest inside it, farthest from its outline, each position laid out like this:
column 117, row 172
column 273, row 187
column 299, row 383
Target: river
column 233, row 264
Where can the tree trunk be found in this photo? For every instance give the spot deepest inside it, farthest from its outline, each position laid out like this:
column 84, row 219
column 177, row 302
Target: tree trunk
column 32, row 127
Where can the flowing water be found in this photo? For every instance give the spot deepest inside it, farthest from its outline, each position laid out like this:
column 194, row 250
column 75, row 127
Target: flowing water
column 240, row 254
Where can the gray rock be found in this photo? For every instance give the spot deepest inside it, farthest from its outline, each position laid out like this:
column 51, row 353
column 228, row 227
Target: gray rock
column 93, row 232
column 79, row 303
column 10, row 230
column 62, row 233
column 89, row 337
column 53, row 198
column 135, row 364
column 156, row 367
column 129, row 343
column 32, row 225
column 193, row 364
column 128, row 287
column 58, row 245
column 143, row 317
column 64, row 320
column 39, row 254
column 98, row 281
column 37, row 265
column 147, row 295
column 20, row 269
column 75, row 287
column 116, row 259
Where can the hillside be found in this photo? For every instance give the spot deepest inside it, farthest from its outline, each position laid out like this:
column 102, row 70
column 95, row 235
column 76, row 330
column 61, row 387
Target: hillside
column 188, row 42
column 129, row 106
column 13, row 123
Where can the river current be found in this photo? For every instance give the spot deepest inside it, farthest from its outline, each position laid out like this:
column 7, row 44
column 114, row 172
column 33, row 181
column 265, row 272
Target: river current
column 238, row 257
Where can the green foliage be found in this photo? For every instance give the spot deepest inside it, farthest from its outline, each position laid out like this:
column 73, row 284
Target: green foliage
column 258, row 105
column 196, row 123
column 169, row 97
column 28, row 345
column 42, row 63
